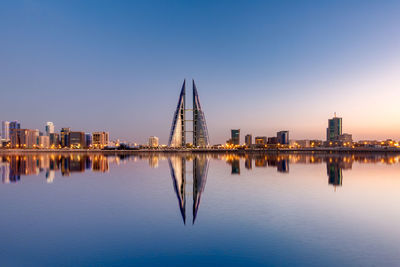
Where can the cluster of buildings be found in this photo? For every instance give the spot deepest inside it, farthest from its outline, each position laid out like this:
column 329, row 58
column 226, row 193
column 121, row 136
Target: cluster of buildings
column 334, row 138
column 13, row 136
column 281, row 139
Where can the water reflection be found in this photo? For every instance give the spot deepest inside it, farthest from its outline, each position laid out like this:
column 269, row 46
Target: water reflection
column 178, row 170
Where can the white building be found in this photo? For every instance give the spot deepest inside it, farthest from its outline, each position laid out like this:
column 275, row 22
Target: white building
column 44, row 141
column 153, row 141
column 49, row 128
column 5, row 129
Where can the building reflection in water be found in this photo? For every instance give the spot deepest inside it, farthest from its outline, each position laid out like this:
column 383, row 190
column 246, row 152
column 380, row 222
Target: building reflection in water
column 13, row 166
column 178, row 171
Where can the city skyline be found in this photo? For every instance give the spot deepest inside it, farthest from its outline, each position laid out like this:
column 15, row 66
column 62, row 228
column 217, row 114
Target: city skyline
column 262, row 67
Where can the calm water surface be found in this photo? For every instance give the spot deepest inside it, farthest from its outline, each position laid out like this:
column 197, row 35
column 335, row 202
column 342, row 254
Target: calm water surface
column 285, row 210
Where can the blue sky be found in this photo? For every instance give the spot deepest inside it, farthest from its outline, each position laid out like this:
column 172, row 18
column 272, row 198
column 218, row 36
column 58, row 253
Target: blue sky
column 260, row 66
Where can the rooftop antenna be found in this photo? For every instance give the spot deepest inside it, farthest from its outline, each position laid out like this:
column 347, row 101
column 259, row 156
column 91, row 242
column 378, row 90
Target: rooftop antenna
column 335, row 114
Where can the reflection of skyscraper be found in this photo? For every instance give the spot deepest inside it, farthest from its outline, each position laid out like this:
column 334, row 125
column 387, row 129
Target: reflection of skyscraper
column 248, row 163
column 153, row 161
column 235, row 166
column 200, row 169
column 334, row 173
column 5, row 173
column 49, row 128
column 283, row 165
column 177, row 166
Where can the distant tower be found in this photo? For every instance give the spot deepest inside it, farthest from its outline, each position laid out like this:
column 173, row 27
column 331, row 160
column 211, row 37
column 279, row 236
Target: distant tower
column 177, row 136
column 334, row 129
column 5, row 126
column 49, row 128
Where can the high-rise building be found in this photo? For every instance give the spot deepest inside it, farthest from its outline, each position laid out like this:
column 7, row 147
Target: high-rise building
column 77, row 139
column 177, row 137
column 248, row 139
column 44, row 141
column 49, row 128
column 283, row 137
column 54, row 140
column 14, row 125
column 5, row 130
column 200, row 131
column 99, row 139
column 235, row 137
column 65, row 136
column 334, row 129
column 88, row 139
column 153, row 141
column 24, row 138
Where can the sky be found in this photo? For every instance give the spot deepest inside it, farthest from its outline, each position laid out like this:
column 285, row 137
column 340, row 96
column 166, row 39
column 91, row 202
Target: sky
column 259, row 66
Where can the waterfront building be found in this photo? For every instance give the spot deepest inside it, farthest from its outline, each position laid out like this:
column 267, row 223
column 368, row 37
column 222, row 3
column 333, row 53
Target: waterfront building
column 44, row 141
column 177, row 137
column 260, row 140
column 24, row 138
column 88, row 139
column 49, row 128
column 235, row 137
column 345, row 138
column 272, row 141
column 76, row 140
column 283, row 137
column 153, row 141
column 15, row 125
column 64, row 136
column 248, row 140
column 54, row 139
column 100, row 139
column 334, row 129
column 5, row 130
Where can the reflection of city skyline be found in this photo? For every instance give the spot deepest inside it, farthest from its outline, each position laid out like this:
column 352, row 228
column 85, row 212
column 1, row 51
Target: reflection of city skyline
column 13, row 166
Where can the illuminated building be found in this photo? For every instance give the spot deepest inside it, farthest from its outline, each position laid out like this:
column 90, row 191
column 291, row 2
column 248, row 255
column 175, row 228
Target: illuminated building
column 283, row 137
column 88, row 139
column 77, row 140
column 24, row 138
column 334, row 129
column 64, row 136
column 153, row 141
column 248, row 140
column 177, row 137
column 100, row 139
column 49, row 128
column 261, row 140
column 5, row 129
column 44, row 141
column 54, row 139
column 235, row 137
column 14, row 125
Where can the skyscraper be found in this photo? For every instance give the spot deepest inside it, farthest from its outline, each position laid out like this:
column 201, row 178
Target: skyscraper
column 283, row 137
column 5, row 129
column 49, row 128
column 334, row 129
column 65, row 136
column 200, row 131
column 248, row 139
column 177, row 136
column 14, row 125
column 235, row 136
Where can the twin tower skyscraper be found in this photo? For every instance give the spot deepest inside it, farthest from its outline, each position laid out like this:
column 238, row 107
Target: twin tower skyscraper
column 177, row 137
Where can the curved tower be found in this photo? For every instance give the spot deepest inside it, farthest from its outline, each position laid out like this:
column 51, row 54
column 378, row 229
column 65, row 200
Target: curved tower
column 200, row 132
column 177, row 134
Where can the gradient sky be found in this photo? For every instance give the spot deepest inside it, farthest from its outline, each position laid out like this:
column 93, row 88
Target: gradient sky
column 261, row 66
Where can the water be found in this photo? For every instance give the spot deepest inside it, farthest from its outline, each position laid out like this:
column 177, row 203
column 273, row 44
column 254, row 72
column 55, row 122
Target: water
column 158, row 209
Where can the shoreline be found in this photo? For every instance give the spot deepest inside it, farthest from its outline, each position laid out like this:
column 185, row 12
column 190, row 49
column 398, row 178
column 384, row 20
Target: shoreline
column 216, row 151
